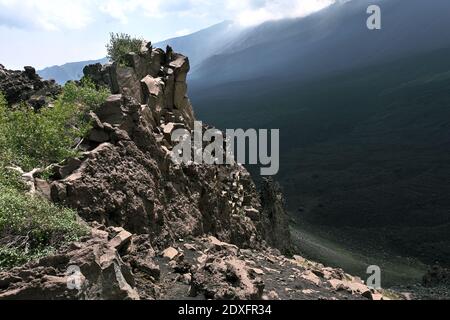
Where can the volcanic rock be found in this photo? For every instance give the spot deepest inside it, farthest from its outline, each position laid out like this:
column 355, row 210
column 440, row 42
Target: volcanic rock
column 26, row 86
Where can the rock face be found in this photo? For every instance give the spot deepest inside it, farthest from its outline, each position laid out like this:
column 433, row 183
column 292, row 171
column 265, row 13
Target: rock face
column 153, row 77
column 127, row 178
column 92, row 269
column 276, row 221
column 26, row 86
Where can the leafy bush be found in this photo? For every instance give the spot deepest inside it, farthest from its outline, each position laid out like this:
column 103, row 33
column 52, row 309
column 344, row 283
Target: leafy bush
column 45, row 222
column 120, row 44
column 11, row 257
column 31, row 226
column 85, row 95
column 31, row 139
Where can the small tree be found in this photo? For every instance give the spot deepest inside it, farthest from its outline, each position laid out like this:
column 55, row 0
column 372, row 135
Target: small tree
column 120, row 44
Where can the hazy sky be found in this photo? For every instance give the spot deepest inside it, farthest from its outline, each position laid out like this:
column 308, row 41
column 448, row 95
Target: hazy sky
column 48, row 32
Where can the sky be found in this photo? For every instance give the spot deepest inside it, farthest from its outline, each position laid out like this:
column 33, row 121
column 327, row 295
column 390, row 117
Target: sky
column 43, row 33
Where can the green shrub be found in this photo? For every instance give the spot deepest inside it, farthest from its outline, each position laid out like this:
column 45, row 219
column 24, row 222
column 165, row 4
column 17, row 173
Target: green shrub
column 31, row 139
column 9, row 178
column 120, row 44
column 85, row 95
column 31, row 226
column 11, row 257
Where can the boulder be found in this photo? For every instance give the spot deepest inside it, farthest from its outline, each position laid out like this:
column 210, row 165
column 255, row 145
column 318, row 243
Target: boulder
column 311, row 277
column 170, row 253
column 100, row 75
column 121, row 240
column 180, row 65
column 111, row 111
column 85, row 270
column 152, row 86
column 26, row 86
column 148, row 267
column 226, row 278
column 67, row 168
column 218, row 245
column 358, row 288
column 127, row 81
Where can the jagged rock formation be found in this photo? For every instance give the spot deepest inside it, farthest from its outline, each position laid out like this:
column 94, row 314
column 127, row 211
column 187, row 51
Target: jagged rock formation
column 127, row 177
column 26, row 86
column 155, row 78
column 102, row 273
column 275, row 220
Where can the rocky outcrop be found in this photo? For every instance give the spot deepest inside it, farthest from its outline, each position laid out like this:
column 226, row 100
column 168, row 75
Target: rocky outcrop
column 26, row 86
column 90, row 269
column 152, row 77
column 126, row 177
column 275, row 219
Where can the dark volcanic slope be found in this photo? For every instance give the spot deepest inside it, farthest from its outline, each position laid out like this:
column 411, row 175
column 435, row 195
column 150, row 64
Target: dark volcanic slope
column 363, row 118
column 362, row 149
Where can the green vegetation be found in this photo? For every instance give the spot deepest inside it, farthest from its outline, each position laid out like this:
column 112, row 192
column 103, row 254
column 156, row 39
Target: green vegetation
column 30, row 139
column 31, row 226
column 120, row 44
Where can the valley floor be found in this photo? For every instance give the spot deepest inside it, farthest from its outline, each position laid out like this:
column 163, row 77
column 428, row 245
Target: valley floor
column 400, row 274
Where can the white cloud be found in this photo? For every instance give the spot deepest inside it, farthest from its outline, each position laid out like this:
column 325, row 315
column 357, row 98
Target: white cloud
column 76, row 14
column 122, row 9
column 254, row 12
column 45, row 14
column 52, row 15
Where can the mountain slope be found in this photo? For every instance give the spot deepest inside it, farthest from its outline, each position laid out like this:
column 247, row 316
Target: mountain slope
column 363, row 118
column 332, row 40
column 362, row 150
column 205, row 43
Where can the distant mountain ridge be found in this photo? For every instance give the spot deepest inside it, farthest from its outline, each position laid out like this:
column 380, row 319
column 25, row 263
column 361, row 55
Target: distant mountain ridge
column 69, row 71
column 332, row 40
